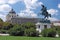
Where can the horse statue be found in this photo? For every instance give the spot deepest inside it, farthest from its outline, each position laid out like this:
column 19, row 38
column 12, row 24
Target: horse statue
column 44, row 12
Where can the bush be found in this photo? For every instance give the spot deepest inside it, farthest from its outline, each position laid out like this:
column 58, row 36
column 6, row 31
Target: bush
column 49, row 32
column 17, row 30
column 4, row 31
column 30, row 29
column 7, row 26
column 52, row 34
column 27, row 29
column 57, row 28
column 31, row 32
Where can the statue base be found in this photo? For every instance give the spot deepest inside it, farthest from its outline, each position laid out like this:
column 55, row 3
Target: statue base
column 45, row 21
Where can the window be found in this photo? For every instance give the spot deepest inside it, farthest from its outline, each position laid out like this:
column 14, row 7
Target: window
column 12, row 16
column 45, row 26
column 38, row 26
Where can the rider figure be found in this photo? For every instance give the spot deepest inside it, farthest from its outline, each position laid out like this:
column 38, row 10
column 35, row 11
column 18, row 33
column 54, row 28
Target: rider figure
column 44, row 12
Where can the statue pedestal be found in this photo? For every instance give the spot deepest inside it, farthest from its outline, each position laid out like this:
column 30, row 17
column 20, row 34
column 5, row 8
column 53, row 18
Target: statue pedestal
column 43, row 24
column 45, row 21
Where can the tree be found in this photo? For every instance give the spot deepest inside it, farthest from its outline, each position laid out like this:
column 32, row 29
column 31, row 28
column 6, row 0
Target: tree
column 1, row 23
column 1, row 20
column 26, row 29
column 30, row 29
column 49, row 32
column 57, row 28
column 17, row 30
column 7, row 26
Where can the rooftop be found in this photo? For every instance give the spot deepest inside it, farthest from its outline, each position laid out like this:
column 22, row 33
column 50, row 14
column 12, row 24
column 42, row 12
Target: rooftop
column 12, row 11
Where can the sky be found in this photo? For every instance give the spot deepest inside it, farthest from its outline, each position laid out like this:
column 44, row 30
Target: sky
column 30, row 8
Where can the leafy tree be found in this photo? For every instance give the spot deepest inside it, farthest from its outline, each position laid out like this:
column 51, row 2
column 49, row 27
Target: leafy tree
column 29, row 25
column 1, row 20
column 27, row 29
column 17, row 30
column 57, row 28
column 31, row 32
column 30, row 29
column 7, row 26
column 49, row 32
column 1, row 23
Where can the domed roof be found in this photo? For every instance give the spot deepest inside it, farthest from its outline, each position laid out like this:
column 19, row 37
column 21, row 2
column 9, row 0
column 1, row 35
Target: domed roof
column 12, row 11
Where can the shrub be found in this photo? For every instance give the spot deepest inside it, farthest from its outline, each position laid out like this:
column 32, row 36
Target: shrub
column 17, row 30
column 26, row 29
column 31, row 32
column 30, row 29
column 7, row 26
column 3, row 31
column 57, row 28
column 49, row 32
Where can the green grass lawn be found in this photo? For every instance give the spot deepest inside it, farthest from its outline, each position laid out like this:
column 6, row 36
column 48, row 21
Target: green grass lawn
column 26, row 38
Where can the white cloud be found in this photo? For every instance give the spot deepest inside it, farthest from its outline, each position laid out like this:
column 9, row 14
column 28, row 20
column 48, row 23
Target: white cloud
column 5, row 8
column 33, row 1
column 40, row 3
column 13, row 1
column 9, row 1
column 52, row 11
column 58, row 5
column 32, row 4
column 53, row 19
column 27, row 13
column 3, row 1
column 34, row 15
column 3, row 17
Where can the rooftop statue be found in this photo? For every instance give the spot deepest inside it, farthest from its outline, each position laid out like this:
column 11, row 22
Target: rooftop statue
column 44, row 12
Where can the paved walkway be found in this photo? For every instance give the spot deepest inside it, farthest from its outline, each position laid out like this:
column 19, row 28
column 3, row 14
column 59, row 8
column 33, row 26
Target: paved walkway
column 4, row 34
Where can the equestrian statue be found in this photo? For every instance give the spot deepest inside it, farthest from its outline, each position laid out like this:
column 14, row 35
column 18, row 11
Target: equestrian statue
column 44, row 12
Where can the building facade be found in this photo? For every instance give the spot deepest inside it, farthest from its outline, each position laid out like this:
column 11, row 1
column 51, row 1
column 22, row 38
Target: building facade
column 55, row 23
column 43, row 25
column 40, row 23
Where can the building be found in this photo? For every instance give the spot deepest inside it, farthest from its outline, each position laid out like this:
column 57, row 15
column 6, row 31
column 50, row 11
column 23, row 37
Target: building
column 56, row 23
column 10, row 15
column 41, row 24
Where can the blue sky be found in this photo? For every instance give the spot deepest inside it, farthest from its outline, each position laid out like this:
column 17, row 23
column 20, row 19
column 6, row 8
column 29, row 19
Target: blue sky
column 30, row 8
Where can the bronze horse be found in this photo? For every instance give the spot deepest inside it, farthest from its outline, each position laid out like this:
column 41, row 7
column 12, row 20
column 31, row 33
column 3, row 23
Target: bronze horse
column 44, row 12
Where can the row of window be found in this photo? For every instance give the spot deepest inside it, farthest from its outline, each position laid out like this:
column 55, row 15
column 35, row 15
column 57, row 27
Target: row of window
column 45, row 26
